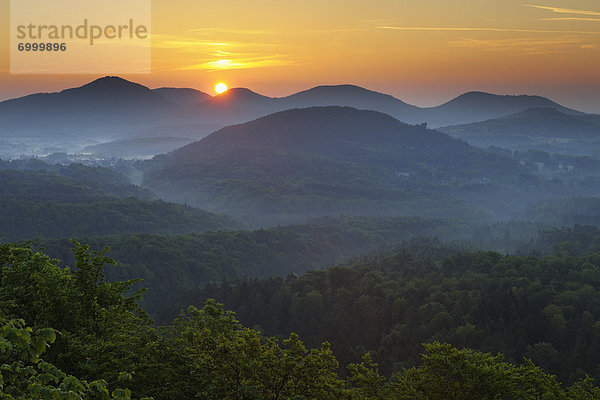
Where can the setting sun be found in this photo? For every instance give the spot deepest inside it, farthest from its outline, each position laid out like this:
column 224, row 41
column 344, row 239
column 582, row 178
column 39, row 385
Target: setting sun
column 220, row 88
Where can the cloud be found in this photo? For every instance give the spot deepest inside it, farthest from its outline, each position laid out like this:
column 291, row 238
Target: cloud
column 235, row 31
column 513, row 43
column 528, row 46
column 339, row 30
column 198, row 54
column 243, row 63
column 563, row 10
column 482, row 29
column 191, row 43
column 571, row 19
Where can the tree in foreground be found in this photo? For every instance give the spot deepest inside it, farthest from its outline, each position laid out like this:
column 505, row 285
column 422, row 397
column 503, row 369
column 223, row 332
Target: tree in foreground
column 24, row 375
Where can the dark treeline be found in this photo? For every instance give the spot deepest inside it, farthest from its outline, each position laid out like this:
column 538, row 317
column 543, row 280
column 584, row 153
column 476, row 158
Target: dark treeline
column 566, row 211
column 78, row 200
column 49, row 180
column 28, row 219
column 171, row 264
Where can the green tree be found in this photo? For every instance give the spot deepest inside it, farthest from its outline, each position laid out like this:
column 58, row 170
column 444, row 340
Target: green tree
column 224, row 360
column 24, row 375
column 103, row 332
column 450, row 373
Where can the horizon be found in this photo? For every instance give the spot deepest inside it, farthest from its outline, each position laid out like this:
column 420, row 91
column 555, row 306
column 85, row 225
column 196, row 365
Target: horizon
column 208, row 92
column 423, row 54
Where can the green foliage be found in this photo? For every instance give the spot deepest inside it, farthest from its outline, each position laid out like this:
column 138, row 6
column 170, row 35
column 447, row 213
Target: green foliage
column 545, row 309
column 225, row 360
column 101, row 330
column 73, row 204
column 35, row 180
column 576, row 241
column 104, row 347
column 449, row 373
column 566, row 211
column 24, row 375
column 173, row 265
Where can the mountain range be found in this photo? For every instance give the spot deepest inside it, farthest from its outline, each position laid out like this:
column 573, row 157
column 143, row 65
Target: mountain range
column 112, row 108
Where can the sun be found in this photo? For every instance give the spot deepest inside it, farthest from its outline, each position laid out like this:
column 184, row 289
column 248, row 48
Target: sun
column 220, row 88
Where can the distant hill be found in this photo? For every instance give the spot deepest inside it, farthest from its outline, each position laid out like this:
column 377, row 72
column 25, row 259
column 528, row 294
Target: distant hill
column 77, row 200
column 27, row 219
column 137, row 147
column 105, row 98
column 548, row 129
column 36, row 180
column 237, row 105
column 242, row 97
column 480, row 106
column 356, row 97
column 322, row 160
column 183, row 95
column 76, row 117
column 339, row 133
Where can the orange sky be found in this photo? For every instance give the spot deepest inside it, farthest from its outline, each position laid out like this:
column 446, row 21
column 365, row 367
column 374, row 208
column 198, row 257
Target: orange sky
column 422, row 51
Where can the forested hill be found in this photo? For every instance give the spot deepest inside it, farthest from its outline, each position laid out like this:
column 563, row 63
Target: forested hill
column 34, row 178
column 323, row 160
column 77, row 200
column 547, row 129
column 343, row 134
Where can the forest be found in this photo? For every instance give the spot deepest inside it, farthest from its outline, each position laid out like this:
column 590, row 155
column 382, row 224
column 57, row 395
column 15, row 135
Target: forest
column 86, row 338
column 545, row 309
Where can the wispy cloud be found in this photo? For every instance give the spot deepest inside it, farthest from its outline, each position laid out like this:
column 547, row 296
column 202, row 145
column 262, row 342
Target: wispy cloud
column 188, row 43
column 528, row 46
column 563, row 10
column 337, row 30
column 512, row 43
column 240, row 63
column 571, row 19
column 197, row 53
column 482, row 29
column 211, row 30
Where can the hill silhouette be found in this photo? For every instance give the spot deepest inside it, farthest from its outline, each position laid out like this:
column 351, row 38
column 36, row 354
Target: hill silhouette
column 183, row 95
column 99, row 109
column 547, row 129
column 108, row 93
column 479, row 106
column 353, row 96
column 112, row 108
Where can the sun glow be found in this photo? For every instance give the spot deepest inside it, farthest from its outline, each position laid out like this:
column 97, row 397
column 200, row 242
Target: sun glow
column 220, row 88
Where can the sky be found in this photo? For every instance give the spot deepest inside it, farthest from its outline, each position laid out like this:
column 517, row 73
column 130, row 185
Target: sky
column 424, row 52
